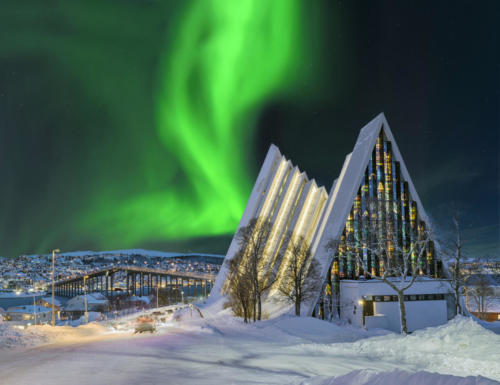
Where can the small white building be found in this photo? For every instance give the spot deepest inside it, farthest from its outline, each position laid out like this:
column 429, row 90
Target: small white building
column 29, row 314
column 374, row 304
column 47, row 302
column 95, row 302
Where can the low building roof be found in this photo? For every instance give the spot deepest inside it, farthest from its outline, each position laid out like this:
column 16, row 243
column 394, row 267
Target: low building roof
column 49, row 300
column 77, row 303
column 140, row 299
column 28, row 309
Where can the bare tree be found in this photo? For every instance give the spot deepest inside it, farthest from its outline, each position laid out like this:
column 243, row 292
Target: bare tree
column 240, row 289
column 479, row 291
column 301, row 275
column 399, row 266
column 253, row 250
column 334, row 300
column 459, row 275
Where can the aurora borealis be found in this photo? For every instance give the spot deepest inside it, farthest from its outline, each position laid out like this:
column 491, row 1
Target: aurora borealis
column 192, row 170
column 212, row 81
column 143, row 123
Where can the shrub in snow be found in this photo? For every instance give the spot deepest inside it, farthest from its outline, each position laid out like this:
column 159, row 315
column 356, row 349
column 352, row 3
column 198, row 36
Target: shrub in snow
column 187, row 312
column 144, row 327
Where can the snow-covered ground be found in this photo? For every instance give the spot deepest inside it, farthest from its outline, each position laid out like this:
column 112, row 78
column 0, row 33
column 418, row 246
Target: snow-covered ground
column 219, row 349
column 15, row 338
column 398, row 377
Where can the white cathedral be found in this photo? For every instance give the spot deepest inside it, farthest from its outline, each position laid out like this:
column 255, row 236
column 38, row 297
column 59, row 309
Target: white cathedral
column 373, row 198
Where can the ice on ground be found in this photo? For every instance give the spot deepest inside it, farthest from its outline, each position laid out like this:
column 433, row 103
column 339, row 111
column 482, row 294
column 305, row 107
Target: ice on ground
column 398, row 377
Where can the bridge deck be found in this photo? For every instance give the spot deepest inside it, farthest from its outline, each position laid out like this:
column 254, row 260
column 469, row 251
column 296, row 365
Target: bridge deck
column 115, row 269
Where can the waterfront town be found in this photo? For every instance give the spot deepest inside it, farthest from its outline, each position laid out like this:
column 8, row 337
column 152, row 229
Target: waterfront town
column 25, row 284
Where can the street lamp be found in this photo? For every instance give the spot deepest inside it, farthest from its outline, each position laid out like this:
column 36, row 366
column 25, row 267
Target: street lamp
column 85, row 298
column 34, row 304
column 53, row 273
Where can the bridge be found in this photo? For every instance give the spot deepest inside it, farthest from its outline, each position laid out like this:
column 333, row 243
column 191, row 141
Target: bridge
column 139, row 281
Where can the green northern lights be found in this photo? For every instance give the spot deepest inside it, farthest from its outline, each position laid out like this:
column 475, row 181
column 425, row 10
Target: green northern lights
column 228, row 59
column 142, row 123
column 225, row 60
column 181, row 165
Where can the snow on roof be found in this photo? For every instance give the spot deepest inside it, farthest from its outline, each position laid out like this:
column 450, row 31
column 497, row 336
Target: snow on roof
column 96, row 298
column 141, row 299
column 49, row 300
column 28, row 309
column 77, row 303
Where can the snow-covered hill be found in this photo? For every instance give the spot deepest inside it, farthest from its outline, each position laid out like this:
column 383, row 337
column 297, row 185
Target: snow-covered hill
column 143, row 252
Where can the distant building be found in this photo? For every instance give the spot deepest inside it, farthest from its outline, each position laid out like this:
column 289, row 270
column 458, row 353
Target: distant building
column 483, row 296
column 491, row 312
column 29, row 314
column 96, row 302
column 373, row 201
column 139, row 302
column 47, row 302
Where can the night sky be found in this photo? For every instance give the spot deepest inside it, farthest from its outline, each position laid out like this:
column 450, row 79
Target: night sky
column 137, row 123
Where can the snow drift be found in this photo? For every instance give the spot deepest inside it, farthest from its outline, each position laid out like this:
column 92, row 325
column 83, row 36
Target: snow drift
column 398, row 377
column 461, row 347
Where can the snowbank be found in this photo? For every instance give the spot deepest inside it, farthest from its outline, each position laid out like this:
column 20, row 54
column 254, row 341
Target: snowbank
column 311, row 329
column 461, row 347
column 93, row 316
column 398, row 377
column 188, row 313
column 14, row 337
column 493, row 326
column 17, row 337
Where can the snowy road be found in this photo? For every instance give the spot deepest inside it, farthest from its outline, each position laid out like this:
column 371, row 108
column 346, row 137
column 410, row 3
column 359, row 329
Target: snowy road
column 224, row 351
